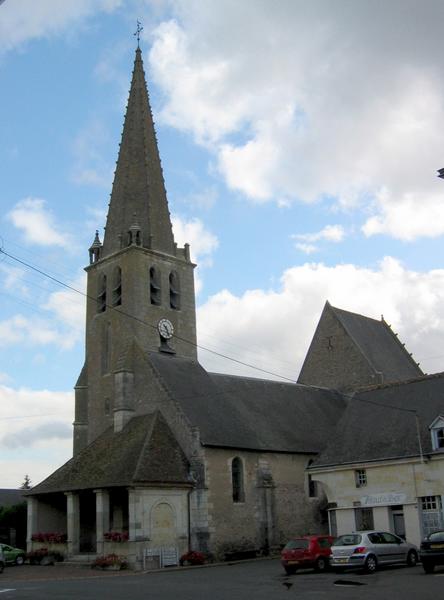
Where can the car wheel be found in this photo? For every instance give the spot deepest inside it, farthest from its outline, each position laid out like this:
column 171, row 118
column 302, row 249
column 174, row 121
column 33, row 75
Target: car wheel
column 321, row 565
column 428, row 567
column 290, row 570
column 412, row 558
column 20, row 559
column 371, row 564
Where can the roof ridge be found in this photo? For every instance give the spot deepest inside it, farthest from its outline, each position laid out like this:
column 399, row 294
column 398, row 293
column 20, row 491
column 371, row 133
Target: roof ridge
column 389, row 384
column 395, row 335
column 146, row 440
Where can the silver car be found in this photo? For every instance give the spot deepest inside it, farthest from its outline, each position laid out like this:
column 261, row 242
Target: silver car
column 2, row 560
column 368, row 549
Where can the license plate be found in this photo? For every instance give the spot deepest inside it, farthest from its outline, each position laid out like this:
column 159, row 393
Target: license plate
column 436, row 545
column 293, row 562
column 341, row 560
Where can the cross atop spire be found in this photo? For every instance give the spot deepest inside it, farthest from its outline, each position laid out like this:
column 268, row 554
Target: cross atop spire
column 138, row 186
column 138, row 32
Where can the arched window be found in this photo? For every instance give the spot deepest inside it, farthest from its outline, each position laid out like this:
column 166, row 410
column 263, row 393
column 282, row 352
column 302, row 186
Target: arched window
column 117, row 287
column 155, row 291
column 174, row 291
column 237, row 480
column 101, row 294
column 106, row 348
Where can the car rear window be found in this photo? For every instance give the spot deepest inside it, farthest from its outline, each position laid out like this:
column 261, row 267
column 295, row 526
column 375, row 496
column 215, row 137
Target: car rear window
column 437, row 536
column 348, row 540
column 297, row 545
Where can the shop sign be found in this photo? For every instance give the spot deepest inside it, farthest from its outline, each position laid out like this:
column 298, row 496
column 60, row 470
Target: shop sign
column 383, row 499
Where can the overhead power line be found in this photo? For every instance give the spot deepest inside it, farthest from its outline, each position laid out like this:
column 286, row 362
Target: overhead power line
column 130, row 316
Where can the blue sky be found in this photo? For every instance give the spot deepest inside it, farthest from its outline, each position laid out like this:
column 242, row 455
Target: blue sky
column 299, row 143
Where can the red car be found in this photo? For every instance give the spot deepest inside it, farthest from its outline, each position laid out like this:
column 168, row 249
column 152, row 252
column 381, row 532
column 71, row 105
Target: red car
column 309, row 551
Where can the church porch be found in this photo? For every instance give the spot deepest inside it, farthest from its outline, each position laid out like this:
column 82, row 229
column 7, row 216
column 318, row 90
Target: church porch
column 123, row 521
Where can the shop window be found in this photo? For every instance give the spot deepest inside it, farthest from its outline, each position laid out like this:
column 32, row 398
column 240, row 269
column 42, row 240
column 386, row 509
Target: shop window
column 155, row 290
column 101, row 294
column 117, row 287
column 237, row 479
column 364, row 519
column 174, row 291
column 360, row 478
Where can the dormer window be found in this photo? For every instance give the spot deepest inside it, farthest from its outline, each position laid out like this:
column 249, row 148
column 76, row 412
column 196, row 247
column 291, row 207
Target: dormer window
column 437, row 432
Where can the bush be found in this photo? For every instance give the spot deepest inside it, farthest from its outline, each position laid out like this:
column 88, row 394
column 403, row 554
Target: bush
column 116, row 536
column 110, row 560
column 50, row 538
column 192, row 558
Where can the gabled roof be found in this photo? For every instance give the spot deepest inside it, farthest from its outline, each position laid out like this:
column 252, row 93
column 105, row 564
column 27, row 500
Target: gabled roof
column 380, row 423
column 380, row 346
column 247, row 413
column 138, row 194
column 144, row 452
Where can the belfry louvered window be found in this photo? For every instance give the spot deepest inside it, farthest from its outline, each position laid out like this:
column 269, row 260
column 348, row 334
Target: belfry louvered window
column 237, row 479
column 155, row 289
column 117, row 287
column 174, row 291
column 101, row 294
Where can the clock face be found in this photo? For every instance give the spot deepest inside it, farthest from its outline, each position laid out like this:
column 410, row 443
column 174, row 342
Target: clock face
column 165, row 328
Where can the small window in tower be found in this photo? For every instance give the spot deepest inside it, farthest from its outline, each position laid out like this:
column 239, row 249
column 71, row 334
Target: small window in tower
column 174, row 291
column 117, row 287
column 237, row 478
column 107, row 407
column 101, row 294
column 106, row 348
column 155, row 291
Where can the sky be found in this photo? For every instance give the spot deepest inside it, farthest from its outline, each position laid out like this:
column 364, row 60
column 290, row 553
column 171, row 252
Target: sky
column 299, row 142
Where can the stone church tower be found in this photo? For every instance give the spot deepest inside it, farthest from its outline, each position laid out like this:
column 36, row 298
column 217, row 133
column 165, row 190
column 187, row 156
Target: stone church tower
column 140, row 284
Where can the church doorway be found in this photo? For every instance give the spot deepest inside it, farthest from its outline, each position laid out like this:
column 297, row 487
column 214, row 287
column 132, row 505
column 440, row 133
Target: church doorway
column 163, row 525
column 87, row 510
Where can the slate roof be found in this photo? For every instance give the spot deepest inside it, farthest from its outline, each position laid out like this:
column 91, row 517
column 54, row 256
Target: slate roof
column 374, row 427
column 379, row 345
column 144, row 452
column 11, row 497
column 248, row 413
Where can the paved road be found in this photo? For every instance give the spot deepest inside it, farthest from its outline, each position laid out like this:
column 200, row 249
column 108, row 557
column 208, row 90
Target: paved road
column 260, row 580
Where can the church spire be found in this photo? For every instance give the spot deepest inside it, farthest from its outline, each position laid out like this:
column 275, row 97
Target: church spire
column 138, row 186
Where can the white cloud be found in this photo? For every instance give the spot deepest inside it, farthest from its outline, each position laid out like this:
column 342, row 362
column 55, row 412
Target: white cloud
column 202, row 243
column 404, row 217
column 36, row 419
column 38, row 224
column 272, row 329
column 63, row 329
column 330, row 233
column 14, row 278
column 298, row 102
column 68, row 308
column 22, row 21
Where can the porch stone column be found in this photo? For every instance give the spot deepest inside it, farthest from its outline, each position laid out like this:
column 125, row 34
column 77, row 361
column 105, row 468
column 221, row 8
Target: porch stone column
column 73, row 522
column 32, row 520
column 135, row 530
column 102, row 518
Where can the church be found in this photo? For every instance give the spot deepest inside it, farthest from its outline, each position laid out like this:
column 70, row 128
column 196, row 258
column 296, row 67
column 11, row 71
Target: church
column 166, row 454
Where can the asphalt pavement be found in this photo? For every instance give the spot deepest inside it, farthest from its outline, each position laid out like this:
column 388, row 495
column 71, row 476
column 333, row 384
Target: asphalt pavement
column 258, row 580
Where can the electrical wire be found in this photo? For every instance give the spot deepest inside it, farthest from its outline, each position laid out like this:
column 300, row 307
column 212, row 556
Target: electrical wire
column 128, row 315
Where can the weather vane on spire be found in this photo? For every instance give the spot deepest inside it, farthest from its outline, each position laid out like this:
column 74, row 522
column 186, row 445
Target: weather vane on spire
column 137, row 33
